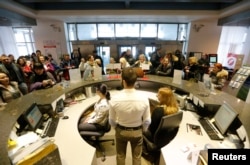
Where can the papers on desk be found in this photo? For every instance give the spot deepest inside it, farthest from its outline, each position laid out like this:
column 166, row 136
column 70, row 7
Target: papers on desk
column 26, row 145
column 195, row 129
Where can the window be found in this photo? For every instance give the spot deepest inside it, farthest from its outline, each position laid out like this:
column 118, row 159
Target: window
column 127, row 30
column 72, row 32
column 24, row 40
column 86, row 31
column 105, row 30
column 182, row 32
column 167, row 31
column 149, row 30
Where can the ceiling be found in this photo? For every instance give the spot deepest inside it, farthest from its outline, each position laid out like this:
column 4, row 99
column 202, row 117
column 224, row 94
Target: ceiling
column 181, row 11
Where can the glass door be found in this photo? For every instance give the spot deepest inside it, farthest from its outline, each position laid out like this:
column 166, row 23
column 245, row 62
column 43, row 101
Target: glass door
column 125, row 48
column 104, row 52
column 148, row 51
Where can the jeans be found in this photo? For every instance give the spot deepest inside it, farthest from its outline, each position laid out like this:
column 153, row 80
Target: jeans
column 122, row 138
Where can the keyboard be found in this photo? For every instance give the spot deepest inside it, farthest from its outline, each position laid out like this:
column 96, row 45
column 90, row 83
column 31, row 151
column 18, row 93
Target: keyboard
column 210, row 130
column 50, row 127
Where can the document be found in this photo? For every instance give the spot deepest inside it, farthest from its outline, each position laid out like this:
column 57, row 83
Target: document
column 195, row 129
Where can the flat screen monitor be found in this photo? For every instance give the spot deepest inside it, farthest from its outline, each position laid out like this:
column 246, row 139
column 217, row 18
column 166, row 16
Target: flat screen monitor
column 212, row 59
column 224, row 117
column 34, row 117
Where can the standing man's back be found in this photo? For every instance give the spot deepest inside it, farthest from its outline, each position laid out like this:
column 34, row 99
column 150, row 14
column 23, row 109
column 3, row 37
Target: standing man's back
column 129, row 114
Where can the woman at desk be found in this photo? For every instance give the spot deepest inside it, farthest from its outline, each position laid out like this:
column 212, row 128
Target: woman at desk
column 96, row 120
column 167, row 105
column 218, row 76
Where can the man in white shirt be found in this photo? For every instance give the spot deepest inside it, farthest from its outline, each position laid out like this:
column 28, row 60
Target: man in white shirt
column 130, row 115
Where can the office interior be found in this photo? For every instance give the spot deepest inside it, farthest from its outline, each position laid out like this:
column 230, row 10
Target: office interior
column 49, row 24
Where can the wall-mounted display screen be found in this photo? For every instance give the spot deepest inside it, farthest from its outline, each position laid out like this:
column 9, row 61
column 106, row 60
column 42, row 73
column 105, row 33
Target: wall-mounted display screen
column 213, row 58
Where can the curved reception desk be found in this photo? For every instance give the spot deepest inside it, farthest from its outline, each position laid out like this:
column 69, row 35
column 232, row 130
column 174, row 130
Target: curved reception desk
column 73, row 149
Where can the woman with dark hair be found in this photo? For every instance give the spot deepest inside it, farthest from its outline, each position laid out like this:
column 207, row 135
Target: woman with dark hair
column 96, row 120
column 40, row 78
column 8, row 89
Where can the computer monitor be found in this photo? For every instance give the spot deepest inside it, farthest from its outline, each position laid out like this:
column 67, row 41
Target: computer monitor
column 224, row 117
column 213, row 58
column 33, row 116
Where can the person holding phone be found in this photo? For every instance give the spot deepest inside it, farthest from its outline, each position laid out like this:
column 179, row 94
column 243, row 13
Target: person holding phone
column 40, row 78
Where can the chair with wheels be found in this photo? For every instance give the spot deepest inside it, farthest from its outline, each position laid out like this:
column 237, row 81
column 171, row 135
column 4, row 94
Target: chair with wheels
column 94, row 138
column 165, row 133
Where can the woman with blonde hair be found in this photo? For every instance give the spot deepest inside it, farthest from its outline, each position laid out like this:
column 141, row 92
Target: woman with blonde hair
column 167, row 105
column 218, row 76
column 192, row 71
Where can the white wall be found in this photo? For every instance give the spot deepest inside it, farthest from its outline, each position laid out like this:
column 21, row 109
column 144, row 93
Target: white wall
column 47, row 31
column 206, row 40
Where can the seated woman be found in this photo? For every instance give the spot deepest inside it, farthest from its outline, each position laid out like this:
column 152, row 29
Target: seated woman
column 8, row 89
column 40, row 78
column 167, row 105
column 96, row 120
column 165, row 68
column 141, row 61
column 218, row 76
column 192, row 71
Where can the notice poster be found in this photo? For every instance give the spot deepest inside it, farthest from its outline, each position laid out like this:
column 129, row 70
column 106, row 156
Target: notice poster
column 52, row 47
column 234, row 61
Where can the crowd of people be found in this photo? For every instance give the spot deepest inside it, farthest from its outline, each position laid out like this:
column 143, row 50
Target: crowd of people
column 40, row 71
column 28, row 73
column 164, row 63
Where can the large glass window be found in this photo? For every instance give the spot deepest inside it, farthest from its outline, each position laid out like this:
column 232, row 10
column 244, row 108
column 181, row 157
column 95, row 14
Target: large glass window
column 105, row 30
column 163, row 31
column 72, row 32
column 167, row 31
column 24, row 40
column 127, row 30
column 86, row 31
column 182, row 32
column 149, row 30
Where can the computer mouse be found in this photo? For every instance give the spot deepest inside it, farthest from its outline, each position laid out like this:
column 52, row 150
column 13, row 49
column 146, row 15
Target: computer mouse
column 65, row 117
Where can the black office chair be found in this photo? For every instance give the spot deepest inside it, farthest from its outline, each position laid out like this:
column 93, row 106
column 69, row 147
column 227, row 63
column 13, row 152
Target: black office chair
column 94, row 138
column 164, row 134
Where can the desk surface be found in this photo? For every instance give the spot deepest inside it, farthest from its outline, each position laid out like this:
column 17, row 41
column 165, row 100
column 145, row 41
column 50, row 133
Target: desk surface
column 73, row 149
column 12, row 111
column 175, row 153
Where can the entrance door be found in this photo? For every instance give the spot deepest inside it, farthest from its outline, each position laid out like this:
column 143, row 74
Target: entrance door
column 125, row 48
column 104, row 52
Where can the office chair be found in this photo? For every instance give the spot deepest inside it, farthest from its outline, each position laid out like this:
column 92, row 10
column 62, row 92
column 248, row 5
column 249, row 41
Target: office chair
column 166, row 131
column 95, row 137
